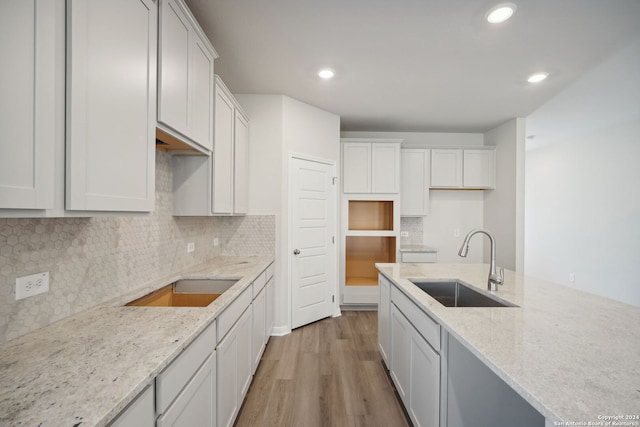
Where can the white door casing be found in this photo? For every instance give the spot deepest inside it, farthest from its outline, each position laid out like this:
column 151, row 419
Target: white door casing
column 312, row 242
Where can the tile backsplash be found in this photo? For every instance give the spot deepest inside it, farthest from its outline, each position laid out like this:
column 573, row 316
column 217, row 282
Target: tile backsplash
column 413, row 225
column 92, row 260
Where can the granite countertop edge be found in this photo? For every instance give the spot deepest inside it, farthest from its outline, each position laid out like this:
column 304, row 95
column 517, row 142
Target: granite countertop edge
column 108, row 346
column 528, row 335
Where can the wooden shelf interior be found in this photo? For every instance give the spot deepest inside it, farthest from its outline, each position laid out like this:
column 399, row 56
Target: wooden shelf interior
column 165, row 297
column 371, row 215
column 362, row 252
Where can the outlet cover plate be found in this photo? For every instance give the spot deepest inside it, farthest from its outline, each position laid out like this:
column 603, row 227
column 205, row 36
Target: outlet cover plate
column 34, row 284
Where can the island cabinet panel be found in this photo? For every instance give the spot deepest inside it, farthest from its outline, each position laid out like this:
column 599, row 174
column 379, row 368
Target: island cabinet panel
column 414, row 363
column 111, row 105
column 474, row 392
column 384, row 319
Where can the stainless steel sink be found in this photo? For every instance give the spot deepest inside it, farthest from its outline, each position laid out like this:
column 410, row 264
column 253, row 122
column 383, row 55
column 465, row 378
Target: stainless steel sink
column 454, row 293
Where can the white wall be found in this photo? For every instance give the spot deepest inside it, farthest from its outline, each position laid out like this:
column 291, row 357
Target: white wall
column 280, row 125
column 503, row 208
column 582, row 209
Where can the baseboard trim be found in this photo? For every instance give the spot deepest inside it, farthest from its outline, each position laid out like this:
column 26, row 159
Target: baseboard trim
column 359, row 307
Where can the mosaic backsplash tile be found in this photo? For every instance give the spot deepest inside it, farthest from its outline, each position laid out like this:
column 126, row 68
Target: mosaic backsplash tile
column 92, row 260
column 414, row 225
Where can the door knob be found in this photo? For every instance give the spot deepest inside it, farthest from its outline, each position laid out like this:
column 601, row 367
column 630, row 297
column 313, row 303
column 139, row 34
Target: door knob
column 296, row 251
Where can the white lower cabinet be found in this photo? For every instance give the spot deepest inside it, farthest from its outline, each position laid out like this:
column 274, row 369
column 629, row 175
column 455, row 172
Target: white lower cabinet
column 234, row 369
column 414, row 361
column 384, row 318
column 140, row 413
column 259, row 336
column 194, row 406
column 424, row 386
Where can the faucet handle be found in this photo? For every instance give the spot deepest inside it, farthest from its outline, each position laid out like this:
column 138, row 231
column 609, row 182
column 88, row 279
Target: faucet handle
column 501, row 279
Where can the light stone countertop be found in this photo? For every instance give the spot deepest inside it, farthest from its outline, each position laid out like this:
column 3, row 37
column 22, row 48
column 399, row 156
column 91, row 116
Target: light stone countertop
column 83, row 370
column 572, row 355
column 418, row 248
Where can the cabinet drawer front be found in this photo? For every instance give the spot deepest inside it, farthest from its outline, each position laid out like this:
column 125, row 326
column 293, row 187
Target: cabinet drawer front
column 231, row 315
column 259, row 283
column 425, row 325
column 419, row 256
column 173, row 379
column 195, row 404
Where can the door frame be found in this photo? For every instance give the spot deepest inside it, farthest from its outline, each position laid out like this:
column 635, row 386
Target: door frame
column 290, row 226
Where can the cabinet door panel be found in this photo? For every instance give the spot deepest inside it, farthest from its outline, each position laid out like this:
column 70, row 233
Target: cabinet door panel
column 223, row 154
column 356, row 167
column 424, row 393
column 140, row 413
column 111, row 86
column 201, row 94
column 446, row 168
column 415, row 171
column 241, row 165
column 384, row 307
column 479, row 168
column 259, row 328
column 28, row 103
column 400, row 353
column 227, row 381
column 245, row 361
column 194, row 406
column 385, row 167
column 174, row 67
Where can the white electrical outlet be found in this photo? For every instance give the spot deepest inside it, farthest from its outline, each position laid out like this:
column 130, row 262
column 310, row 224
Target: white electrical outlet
column 572, row 277
column 456, row 232
column 216, row 241
column 404, row 234
column 191, row 246
column 29, row 286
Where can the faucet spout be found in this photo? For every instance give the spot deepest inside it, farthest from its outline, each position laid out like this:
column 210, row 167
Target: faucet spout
column 494, row 279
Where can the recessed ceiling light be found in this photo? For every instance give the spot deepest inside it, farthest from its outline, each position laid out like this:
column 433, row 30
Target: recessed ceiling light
column 501, row 13
column 537, row 77
column 326, row 73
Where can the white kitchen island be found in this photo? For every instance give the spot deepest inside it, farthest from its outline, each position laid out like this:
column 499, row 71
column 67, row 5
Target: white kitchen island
column 573, row 357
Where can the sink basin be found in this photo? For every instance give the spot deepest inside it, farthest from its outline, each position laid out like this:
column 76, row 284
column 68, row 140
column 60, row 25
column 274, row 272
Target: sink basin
column 454, row 293
column 186, row 293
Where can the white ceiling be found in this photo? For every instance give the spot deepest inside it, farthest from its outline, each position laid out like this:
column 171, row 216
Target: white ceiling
column 413, row 65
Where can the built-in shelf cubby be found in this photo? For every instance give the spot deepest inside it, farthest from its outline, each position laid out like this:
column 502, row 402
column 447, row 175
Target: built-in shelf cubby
column 362, row 252
column 371, row 215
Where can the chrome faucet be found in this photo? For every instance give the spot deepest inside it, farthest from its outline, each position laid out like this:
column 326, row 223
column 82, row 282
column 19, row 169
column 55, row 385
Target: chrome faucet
column 495, row 279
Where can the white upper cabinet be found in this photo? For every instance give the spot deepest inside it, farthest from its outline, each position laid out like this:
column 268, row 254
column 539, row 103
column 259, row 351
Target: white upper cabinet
column 356, row 167
column 463, row 168
column 111, row 105
column 241, row 164
column 185, row 80
column 479, row 169
column 370, row 166
column 223, row 153
column 446, row 168
column 415, row 175
column 216, row 185
column 29, row 98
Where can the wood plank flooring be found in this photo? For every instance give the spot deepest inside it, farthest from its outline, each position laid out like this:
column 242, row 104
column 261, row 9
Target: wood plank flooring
column 329, row 373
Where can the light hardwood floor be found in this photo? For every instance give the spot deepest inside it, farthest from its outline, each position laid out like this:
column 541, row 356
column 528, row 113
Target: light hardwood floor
column 329, row 373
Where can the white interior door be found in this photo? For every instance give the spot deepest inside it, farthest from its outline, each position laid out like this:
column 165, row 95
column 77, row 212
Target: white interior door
column 312, row 254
